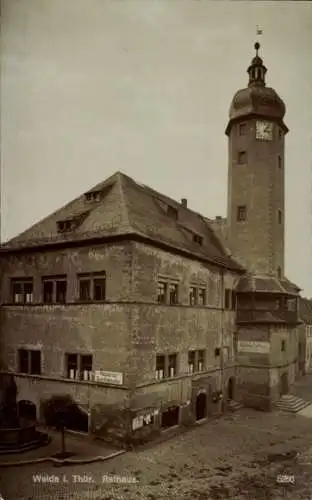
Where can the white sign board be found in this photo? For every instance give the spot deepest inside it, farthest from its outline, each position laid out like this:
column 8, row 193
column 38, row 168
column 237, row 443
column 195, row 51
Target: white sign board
column 108, row 377
column 253, row 347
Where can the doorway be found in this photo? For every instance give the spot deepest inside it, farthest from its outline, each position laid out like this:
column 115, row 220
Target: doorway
column 284, row 384
column 231, row 388
column 201, row 406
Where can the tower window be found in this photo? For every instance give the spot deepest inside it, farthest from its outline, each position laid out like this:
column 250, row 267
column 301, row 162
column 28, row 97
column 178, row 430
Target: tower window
column 242, row 158
column 279, row 272
column 279, row 162
column 242, row 129
column 279, row 216
column 241, row 213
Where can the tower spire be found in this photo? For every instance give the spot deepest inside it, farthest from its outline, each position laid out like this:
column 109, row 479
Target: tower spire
column 257, row 70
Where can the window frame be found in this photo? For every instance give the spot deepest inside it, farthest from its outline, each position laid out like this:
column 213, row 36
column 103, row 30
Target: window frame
column 22, row 282
column 77, row 366
column 191, row 361
column 242, row 128
column 91, row 279
column 241, row 213
column 242, row 154
column 30, row 354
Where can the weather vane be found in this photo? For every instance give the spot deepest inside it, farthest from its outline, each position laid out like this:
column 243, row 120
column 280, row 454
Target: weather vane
column 259, row 31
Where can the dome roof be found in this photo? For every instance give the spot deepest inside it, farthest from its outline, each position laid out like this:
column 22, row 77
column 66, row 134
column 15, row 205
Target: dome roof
column 258, row 100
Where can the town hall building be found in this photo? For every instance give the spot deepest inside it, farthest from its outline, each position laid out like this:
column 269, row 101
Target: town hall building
column 150, row 315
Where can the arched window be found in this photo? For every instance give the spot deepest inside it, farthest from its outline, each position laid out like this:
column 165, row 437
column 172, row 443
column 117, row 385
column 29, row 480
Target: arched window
column 279, row 272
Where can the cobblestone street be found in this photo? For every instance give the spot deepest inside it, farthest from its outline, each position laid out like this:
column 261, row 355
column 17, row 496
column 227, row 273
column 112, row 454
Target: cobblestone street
column 239, row 456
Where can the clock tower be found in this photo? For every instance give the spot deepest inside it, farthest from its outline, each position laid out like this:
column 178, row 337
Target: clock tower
column 256, row 175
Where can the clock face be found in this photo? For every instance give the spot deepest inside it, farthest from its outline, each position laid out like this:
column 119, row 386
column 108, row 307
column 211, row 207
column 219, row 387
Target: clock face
column 264, row 130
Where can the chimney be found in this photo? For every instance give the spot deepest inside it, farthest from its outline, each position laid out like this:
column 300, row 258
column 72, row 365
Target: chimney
column 218, row 218
column 184, row 202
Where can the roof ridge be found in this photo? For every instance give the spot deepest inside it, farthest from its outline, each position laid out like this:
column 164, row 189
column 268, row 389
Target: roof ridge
column 121, row 181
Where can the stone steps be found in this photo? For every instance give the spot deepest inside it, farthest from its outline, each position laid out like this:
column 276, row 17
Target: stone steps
column 291, row 404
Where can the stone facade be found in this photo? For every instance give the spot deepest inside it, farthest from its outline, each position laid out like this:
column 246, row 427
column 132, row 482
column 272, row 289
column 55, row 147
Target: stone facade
column 123, row 334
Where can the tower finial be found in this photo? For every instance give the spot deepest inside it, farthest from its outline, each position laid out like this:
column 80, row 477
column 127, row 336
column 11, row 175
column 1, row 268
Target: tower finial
column 257, row 47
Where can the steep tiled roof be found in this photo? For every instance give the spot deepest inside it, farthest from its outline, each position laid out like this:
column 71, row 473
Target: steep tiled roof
column 305, row 309
column 122, row 206
column 266, row 284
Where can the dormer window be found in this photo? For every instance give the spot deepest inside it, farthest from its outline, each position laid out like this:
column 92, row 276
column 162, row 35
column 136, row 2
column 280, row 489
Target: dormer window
column 172, row 212
column 93, row 196
column 198, row 239
column 64, row 226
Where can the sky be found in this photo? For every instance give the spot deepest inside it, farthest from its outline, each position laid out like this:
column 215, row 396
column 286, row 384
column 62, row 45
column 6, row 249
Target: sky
column 91, row 87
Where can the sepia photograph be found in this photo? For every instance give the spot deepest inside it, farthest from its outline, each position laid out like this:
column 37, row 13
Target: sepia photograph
column 156, row 250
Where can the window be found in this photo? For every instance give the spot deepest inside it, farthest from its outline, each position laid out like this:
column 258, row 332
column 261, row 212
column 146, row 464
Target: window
column 241, row 213
column 79, row 366
column 279, row 272
column 93, row 196
column 166, row 366
column 217, row 352
column 161, row 292
column 29, row 361
column 227, row 298
column 191, row 361
column 198, row 239
column 242, row 157
column 233, row 300
column 279, row 159
column 172, row 365
column 84, row 289
column 61, row 287
column 283, row 346
column 201, row 361
column 291, row 304
column 242, row 128
column 160, row 367
column 193, row 296
column 202, row 296
column 279, row 216
column 22, row 291
column 54, row 289
column 64, row 226
column 86, row 367
column 72, row 366
column 23, row 361
column 47, row 291
column 92, row 287
column 99, row 289
column 173, row 293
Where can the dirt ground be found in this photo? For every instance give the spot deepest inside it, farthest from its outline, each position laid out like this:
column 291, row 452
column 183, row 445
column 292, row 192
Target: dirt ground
column 239, row 456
